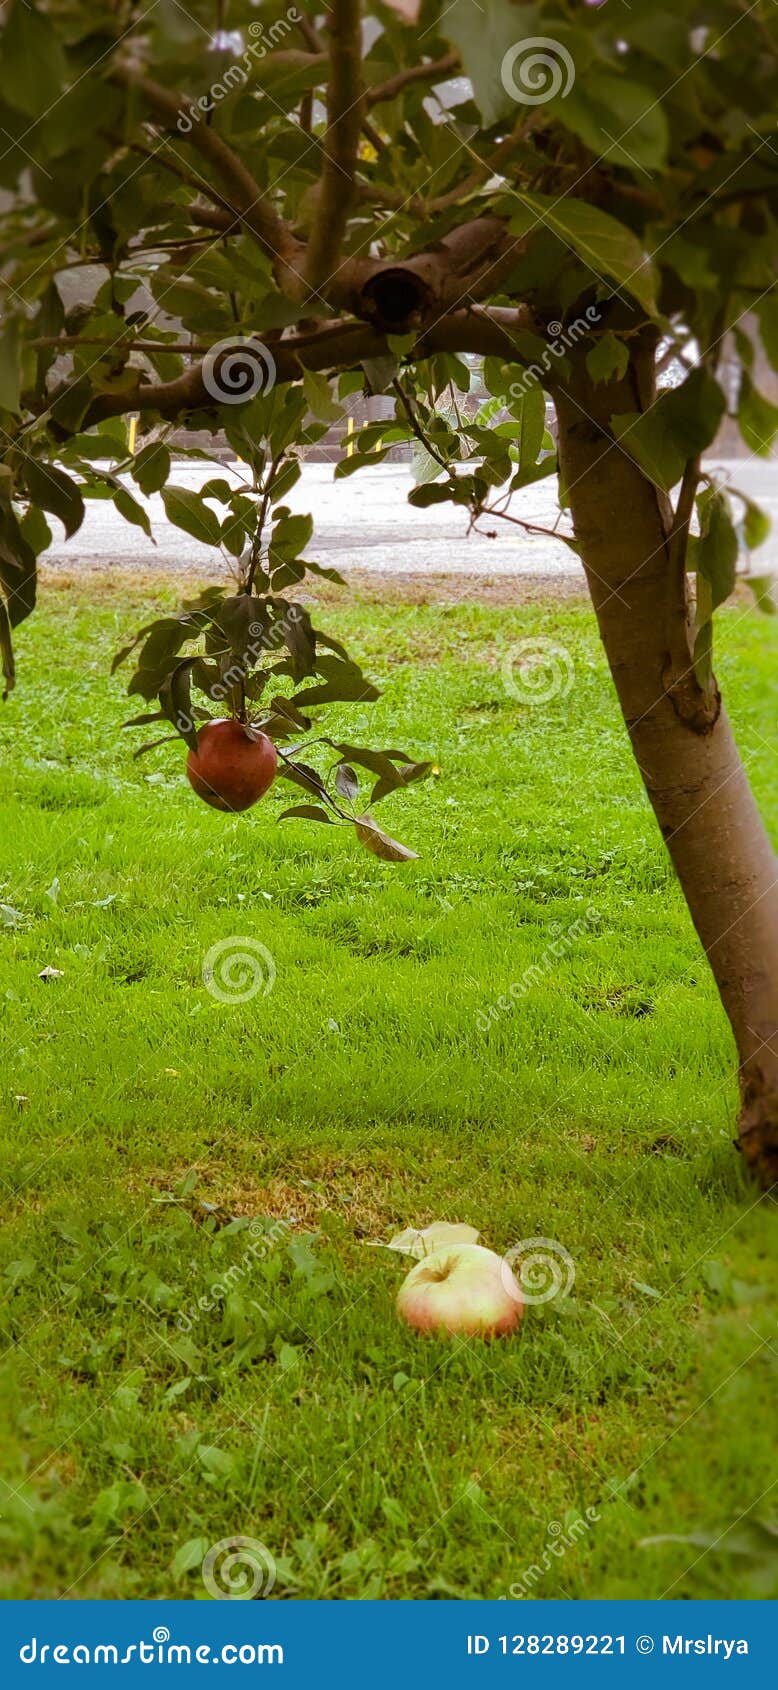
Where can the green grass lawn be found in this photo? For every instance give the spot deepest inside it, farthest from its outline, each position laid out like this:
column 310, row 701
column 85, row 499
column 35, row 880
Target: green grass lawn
column 375, row 1086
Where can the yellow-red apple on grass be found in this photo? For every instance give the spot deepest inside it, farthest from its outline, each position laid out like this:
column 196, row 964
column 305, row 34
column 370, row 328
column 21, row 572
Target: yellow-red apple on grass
column 461, row 1288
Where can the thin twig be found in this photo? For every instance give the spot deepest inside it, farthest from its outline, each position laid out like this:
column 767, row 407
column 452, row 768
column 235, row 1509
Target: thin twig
column 679, row 534
column 435, row 70
column 417, row 428
column 255, row 208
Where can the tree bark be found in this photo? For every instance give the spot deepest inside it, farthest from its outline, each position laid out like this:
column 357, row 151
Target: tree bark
column 688, row 758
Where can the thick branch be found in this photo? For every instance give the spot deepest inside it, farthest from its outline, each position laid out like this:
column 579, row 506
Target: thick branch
column 345, row 114
column 401, row 296
column 341, row 346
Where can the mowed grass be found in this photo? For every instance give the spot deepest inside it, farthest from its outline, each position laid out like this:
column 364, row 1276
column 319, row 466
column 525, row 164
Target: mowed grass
column 379, row 1084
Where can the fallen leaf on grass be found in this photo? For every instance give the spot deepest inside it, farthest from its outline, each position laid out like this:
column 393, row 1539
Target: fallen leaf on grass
column 419, row 1241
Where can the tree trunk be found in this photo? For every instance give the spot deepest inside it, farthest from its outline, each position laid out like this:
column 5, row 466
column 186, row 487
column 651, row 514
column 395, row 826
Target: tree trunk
column 684, row 746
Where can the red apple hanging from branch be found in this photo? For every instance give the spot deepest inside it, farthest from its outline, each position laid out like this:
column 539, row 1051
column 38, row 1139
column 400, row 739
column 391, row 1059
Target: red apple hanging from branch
column 248, row 644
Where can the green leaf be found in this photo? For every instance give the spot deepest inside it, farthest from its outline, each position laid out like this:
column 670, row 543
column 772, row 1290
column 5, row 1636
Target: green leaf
column 703, row 654
column 679, row 426
column 426, row 468
column 713, row 554
column 608, row 359
column 310, row 812
column 606, row 246
column 763, row 588
column 151, row 468
column 163, row 640
column 131, row 510
column 620, row 121
column 757, row 418
column 642, row 436
column 175, row 698
column 216, row 1462
column 767, row 312
column 94, row 447
column 344, row 682
column 486, row 33
column 35, row 530
column 326, row 573
column 530, row 412
column 756, row 522
column 300, row 640
column 290, row 537
column 217, row 488
column 18, row 570
column 190, row 1556
column 188, row 511
column 320, row 401
column 32, row 62
column 235, row 619
column 431, row 493
column 703, row 636
column 53, row 490
column 6, row 650
column 10, row 367
column 70, row 406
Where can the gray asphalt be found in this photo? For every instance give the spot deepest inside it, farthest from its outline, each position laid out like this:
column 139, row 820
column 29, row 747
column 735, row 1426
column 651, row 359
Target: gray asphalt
column 366, row 523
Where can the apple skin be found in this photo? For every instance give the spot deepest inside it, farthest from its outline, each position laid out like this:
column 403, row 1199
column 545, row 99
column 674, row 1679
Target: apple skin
column 232, row 766
column 461, row 1288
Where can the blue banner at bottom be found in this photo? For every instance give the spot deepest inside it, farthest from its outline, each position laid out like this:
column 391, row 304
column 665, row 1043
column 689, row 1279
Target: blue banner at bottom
column 386, row 1644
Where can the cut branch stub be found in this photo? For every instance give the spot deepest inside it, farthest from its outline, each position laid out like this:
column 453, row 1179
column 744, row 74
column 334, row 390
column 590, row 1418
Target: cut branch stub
column 396, row 300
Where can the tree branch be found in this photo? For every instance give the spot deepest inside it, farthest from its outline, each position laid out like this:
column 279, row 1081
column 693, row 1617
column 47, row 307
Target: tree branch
column 192, row 179
column 436, row 70
column 401, row 295
column 345, row 115
column 246, row 198
column 417, row 429
column 341, row 346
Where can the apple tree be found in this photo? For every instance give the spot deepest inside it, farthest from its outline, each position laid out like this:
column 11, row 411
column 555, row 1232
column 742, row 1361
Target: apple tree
column 269, row 208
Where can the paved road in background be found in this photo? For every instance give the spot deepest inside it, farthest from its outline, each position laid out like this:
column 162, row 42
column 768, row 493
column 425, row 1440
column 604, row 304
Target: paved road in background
column 365, row 523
